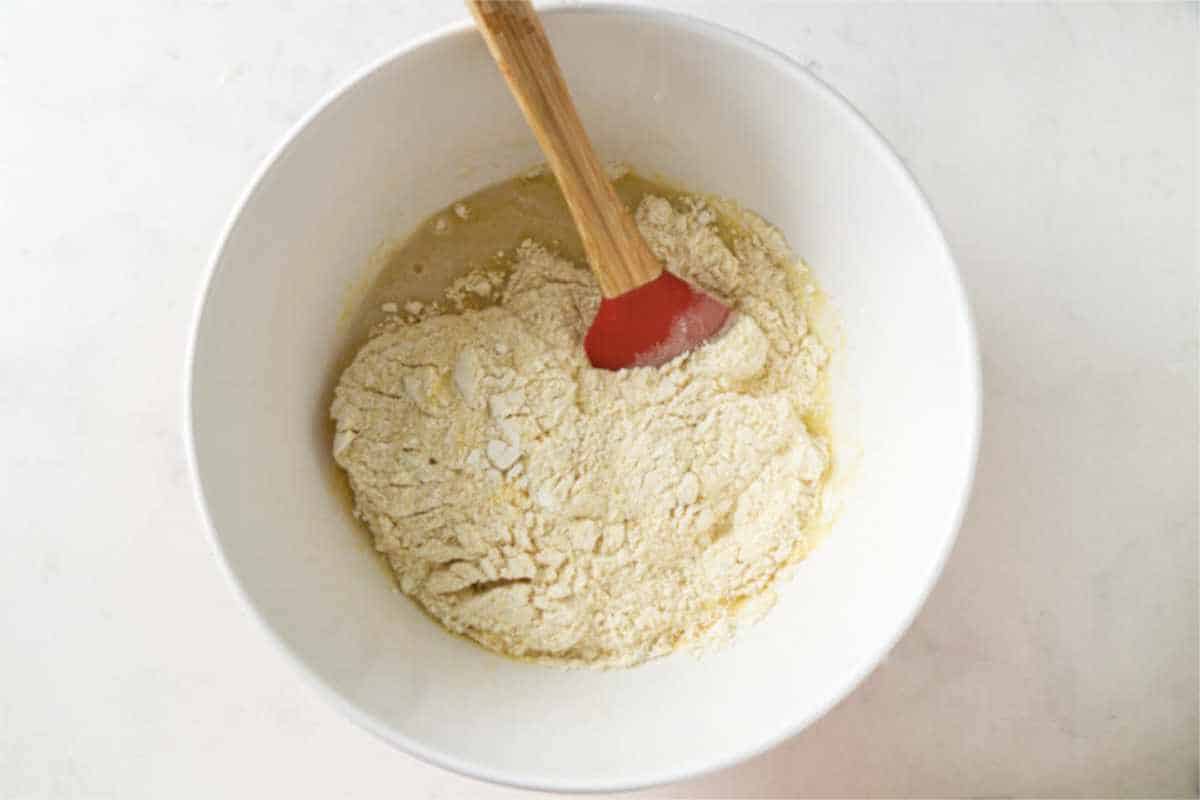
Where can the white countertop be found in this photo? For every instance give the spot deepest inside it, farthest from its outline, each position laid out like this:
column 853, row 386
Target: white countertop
column 1058, row 655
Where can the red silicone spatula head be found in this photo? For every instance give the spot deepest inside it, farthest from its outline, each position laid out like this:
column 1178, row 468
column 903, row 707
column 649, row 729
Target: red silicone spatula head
column 650, row 325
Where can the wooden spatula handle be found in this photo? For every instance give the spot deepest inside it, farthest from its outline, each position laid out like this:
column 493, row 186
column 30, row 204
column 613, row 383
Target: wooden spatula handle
column 615, row 250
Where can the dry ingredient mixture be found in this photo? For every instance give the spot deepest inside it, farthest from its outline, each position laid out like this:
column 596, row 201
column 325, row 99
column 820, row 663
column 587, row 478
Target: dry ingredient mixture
column 556, row 512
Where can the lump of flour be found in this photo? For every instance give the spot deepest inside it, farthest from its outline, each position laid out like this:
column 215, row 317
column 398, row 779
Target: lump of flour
column 553, row 511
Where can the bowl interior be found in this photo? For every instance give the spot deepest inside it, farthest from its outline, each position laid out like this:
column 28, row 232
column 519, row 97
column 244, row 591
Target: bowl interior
column 717, row 114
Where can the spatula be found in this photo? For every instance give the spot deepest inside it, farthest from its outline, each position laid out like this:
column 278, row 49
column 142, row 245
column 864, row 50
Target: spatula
column 647, row 315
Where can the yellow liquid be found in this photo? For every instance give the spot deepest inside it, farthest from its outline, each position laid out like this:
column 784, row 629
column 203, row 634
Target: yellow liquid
column 498, row 218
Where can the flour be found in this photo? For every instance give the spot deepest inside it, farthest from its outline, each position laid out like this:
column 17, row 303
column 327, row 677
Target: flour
column 557, row 512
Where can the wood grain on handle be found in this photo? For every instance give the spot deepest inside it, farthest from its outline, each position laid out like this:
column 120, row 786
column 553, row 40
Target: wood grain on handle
column 616, row 251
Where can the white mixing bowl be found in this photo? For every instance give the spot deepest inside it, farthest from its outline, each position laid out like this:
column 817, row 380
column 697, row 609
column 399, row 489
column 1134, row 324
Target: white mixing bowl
column 717, row 113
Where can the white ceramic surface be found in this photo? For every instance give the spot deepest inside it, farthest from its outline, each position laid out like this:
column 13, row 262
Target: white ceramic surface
column 718, row 113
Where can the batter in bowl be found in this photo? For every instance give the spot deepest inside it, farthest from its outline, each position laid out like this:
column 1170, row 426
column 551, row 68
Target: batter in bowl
column 552, row 511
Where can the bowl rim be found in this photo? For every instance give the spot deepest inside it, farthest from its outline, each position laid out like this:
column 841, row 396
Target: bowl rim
column 647, row 778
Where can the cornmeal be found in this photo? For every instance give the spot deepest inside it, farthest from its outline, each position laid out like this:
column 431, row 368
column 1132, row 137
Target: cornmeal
column 556, row 512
